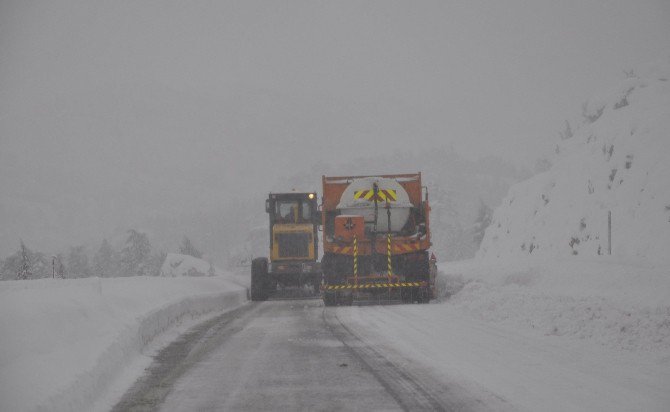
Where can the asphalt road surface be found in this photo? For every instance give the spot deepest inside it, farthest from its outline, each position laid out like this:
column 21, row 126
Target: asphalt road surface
column 285, row 355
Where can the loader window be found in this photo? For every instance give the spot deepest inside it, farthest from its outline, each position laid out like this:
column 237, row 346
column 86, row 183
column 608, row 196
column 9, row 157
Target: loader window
column 287, row 211
column 293, row 211
column 306, row 211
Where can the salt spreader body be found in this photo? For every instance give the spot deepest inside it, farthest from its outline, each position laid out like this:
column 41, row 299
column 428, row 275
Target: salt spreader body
column 376, row 240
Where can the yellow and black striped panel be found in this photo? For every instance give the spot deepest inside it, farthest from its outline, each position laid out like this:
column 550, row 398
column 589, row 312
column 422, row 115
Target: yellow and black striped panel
column 383, row 195
column 406, row 247
column 342, row 249
column 388, row 195
column 374, row 286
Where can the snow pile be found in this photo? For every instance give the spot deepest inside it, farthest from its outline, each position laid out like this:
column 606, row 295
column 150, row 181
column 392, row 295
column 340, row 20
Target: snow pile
column 601, row 300
column 64, row 342
column 495, row 361
column 176, row 264
column 618, row 161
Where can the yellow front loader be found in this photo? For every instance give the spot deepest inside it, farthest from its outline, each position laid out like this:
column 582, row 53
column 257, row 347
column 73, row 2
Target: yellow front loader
column 294, row 246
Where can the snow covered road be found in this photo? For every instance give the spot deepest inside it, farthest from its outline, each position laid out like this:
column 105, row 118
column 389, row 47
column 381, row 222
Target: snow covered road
column 299, row 355
column 285, row 355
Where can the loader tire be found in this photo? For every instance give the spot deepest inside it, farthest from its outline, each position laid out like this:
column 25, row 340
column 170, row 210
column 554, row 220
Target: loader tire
column 259, row 279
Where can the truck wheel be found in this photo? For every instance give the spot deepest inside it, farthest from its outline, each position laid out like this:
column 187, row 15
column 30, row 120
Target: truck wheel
column 329, row 298
column 348, row 299
column 424, row 295
column 406, row 295
column 259, row 279
column 422, row 267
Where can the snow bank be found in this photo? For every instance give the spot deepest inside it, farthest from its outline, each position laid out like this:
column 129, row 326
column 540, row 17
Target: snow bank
column 618, row 161
column 176, row 264
column 605, row 301
column 63, row 342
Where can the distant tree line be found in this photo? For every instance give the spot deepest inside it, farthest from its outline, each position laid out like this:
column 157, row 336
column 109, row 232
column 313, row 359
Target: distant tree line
column 134, row 258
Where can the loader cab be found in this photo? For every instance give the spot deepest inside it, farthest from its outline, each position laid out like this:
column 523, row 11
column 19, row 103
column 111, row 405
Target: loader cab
column 294, row 220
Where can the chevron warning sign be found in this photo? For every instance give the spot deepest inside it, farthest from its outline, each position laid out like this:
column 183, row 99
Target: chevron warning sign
column 383, row 195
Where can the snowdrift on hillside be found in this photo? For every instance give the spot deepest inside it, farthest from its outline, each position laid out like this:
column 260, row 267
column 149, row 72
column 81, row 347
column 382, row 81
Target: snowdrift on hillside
column 606, row 301
column 618, row 161
column 185, row 265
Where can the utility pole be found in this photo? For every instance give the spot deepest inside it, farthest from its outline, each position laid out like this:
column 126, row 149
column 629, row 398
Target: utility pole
column 609, row 232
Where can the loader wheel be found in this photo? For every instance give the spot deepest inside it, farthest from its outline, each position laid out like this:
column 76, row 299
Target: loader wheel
column 259, row 279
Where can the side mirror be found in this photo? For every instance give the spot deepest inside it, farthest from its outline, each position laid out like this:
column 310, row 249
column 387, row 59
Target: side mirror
column 267, row 205
column 422, row 229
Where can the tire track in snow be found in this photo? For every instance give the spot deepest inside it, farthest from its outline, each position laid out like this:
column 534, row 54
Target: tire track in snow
column 412, row 390
column 151, row 389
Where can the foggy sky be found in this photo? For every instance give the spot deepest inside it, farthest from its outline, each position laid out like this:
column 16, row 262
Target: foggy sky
column 118, row 110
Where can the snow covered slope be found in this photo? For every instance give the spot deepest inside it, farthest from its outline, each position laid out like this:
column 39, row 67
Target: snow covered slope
column 618, row 161
column 65, row 342
column 535, row 334
column 176, row 264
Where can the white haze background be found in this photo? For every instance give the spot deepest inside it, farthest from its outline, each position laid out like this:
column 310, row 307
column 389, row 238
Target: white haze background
column 178, row 117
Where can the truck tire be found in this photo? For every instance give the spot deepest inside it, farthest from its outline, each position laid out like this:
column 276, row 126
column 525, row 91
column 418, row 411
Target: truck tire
column 406, row 295
column 329, row 298
column 424, row 295
column 259, row 279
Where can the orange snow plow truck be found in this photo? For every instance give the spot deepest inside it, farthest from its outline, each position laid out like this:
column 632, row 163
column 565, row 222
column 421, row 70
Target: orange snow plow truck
column 376, row 236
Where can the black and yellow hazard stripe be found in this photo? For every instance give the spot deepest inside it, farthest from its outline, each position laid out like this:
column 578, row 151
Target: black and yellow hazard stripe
column 383, row 195
column 388, row 255
column 389, row 195
column 374, row 286
column 355, row 256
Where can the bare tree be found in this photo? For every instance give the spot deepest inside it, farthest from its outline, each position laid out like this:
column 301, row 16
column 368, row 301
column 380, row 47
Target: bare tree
column 24, row 271
column 136, row 255
column 187, row 248
column 105, row 261
column 77, row 261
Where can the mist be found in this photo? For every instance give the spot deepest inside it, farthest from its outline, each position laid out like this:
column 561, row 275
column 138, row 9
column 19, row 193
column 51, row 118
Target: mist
column 160, row 115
